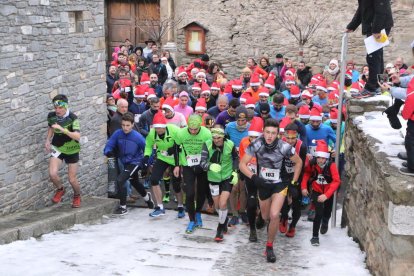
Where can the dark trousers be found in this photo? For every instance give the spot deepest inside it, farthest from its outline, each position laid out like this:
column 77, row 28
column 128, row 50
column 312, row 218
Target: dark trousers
column 251, row 191
column 190, row 175
column 323, row 212
column 129, row 172
column 375, row 63
column 409, row 145
column 296, row 209
column 158, row 171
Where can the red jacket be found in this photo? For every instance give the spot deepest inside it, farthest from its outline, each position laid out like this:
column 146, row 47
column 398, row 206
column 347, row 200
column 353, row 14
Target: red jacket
column 408, row 110
column 326, row 189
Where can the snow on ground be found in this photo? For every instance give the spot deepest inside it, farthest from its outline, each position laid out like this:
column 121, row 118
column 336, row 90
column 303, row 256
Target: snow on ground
column 139, row 245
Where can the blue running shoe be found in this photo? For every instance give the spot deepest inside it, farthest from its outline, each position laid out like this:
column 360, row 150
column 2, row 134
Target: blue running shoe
column 181, row 212
column 199, row 221
column 157, row 212
column 190, row 228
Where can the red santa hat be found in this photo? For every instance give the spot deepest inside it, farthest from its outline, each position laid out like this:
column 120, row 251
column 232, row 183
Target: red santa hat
column 215, row 86
column 250, row 102
column 270, row 82
column 145, row 78
column 348, row 74
column 151, row 94
column 201, row 104
column 169, row 103
column 321, row 85
column 355, row 88
column 295, row 91
column 237, row 84
column 333, row 115
column 181, row 71
column 290, row 72
column 264, row 92
column 321, row 149
column 205, row 89
column 290, row 80
column 283, row 123
column 243, row 98
column 254, row 80
column 196, row 86
column 140, row 91
column 315, row 115
column 304, row 112
column 333, row 98
column 307, row 94
column 201, row 74
column 159, row 120
column 228, row 87
column 256, row 127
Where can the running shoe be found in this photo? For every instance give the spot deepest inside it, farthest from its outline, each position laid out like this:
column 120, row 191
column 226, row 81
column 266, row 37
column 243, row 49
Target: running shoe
column 283, row 226
column 219, row 234
column 58, row 195
column 270, row 254
column 244, row 218
column 181, row 212
column 190, row 227
column 253, row 235
column 324, row 228
column 234, row 221
column 121, row 211
column 406, row 171
column 157, row 212
column 315, row 241
column 166, row 197
column 291, row 232
column 149, row 202
column 198, row 220
column 76, row 202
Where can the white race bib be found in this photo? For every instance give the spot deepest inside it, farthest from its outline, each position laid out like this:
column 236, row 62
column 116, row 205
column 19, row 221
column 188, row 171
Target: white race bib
column 164, row 153
column 214, row 190
column 270, row 174
column 54, row 152
column 136, row 118
column 252, row 167
column 193, row 160
column 290, row 169
column 321, row 180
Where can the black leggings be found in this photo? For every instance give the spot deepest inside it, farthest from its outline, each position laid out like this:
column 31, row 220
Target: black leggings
column 296, row 210
column 157, row 173
column 190, row 175
column 130, row 171
column 323, row 212
column 251, row 191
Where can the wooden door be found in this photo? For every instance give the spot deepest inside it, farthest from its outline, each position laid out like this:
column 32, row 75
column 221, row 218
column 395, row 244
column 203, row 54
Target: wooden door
column 131, row 19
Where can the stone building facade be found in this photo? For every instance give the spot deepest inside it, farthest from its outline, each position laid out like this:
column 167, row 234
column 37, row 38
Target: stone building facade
column 241, row 29
column 49, row 47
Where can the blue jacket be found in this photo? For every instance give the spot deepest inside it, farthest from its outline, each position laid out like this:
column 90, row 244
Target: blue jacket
column 324, row 132
column 129, row 148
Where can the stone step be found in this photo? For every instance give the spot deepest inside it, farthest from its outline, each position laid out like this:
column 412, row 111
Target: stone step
column 27, row 224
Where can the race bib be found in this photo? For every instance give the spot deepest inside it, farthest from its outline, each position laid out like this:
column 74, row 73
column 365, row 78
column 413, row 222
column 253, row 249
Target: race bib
column 54, row 152
column 252, row 167
column 311, row 149
column 290, row 169
column 321, row 180
column 270, row 174
column 136, row 118
column 127, row 89
column 164, row 153
column 193, row 160
column 214, row 190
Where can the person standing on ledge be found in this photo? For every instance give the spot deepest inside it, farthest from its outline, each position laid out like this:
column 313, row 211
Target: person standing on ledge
column 64, row 130
column 373, row 16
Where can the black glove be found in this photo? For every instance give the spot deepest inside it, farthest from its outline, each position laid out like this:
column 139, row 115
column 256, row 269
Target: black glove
column 258, row 181
column 171, row 151
column 144, row 165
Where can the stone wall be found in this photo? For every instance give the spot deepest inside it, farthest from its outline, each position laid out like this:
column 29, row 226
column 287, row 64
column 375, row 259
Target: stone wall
column 49, row 47
column 379, row 202
column 247, row 28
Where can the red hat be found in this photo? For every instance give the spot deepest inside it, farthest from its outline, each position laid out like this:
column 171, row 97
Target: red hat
column 256, row 128
column 295, row 91
column 201, row 73
column 355, row 88
column 228, row 88
column 159, row 120
column 145, row 78
column 304, row 112
column 315, row 115
column 237, row 84
column 333, row 115
column 205, row 89
column 196, row 86
column 169, row 103
column 321, row 85
column 201, row 104
column 290, row 72
column 333, row 98
column 321, row 149
column 283, row 123
column 254, row 80
column 290, row 80
column 215, row 86
column 140, row 91
column 264, row 92
column 250, row 102
column 333, row 86
column 307, row 94
column 181, row 71
column 244, row 96
column 348, row 74
column 151, row 94
column 270, row 82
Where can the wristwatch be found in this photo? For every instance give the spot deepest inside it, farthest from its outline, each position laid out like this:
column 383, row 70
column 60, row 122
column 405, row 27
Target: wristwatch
column 294, row 183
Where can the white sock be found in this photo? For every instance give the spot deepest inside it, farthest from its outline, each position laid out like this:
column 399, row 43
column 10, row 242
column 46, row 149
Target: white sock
column 161, row 206
column 180, row 205
column 222, row 216
column 146, row 198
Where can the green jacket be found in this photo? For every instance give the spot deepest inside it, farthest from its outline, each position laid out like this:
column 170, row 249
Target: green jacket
column 165, row 147
column 191, row 145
